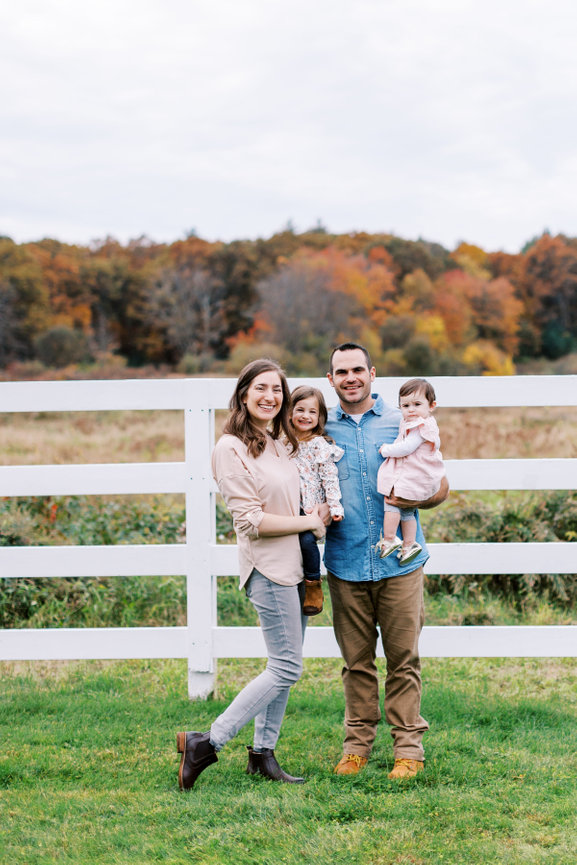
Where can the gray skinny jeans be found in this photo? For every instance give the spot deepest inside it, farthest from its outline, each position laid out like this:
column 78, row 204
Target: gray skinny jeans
column 265, row 698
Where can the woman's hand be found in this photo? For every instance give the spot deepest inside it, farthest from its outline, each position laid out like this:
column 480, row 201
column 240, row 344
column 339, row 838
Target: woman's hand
column 318, row 527
column 324, row 513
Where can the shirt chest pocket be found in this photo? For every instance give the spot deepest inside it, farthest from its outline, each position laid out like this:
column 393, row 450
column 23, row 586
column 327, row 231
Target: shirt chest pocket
column 343, row 465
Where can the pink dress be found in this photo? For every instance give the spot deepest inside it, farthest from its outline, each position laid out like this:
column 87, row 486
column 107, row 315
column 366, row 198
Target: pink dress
column 418, row 475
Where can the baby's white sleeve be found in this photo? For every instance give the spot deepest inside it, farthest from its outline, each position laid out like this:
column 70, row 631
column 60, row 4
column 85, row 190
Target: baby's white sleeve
column 403, row 448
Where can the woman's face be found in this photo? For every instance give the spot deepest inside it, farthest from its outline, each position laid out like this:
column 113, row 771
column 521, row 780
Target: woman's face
column 264, row 397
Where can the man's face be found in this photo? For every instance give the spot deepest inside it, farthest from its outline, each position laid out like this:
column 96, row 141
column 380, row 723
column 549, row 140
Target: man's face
column 351, row 379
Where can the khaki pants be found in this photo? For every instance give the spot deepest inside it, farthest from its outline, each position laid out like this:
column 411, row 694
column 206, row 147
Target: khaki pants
column 396, row 605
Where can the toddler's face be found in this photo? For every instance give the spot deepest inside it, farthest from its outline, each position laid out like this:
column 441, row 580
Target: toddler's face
column 415, row 405
column 305, row 415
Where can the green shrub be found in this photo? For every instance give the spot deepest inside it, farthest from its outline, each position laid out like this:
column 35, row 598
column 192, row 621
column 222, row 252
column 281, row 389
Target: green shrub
column 538, row 519
column 91, row 602
column 130, row 601
column 61, row 346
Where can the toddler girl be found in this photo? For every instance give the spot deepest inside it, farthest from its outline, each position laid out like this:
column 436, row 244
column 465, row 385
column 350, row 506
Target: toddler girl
column 413, row 467
column 316, row 460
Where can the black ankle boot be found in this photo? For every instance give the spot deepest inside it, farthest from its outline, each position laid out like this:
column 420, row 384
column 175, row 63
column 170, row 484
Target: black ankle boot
column 265, row 763
column 197, row 754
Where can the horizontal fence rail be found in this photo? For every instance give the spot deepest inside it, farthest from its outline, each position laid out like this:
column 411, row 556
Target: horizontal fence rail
column 165, row 394
column 135, row 478
column 202, row 560
column 148, row 560
column 240, row 642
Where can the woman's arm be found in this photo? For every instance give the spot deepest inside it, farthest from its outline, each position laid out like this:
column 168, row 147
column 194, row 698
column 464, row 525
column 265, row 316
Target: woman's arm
column 275, row 525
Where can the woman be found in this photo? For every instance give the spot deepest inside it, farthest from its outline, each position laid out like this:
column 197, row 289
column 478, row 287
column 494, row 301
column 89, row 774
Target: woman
column 260, row 484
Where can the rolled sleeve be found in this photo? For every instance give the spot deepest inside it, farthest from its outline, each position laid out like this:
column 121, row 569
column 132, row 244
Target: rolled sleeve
column 240, row 496
column 239, row 490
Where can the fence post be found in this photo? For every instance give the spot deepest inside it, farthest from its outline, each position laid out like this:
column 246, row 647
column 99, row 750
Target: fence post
column 200, row 533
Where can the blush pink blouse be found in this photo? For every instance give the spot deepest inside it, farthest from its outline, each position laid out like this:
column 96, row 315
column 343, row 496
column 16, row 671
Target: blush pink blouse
column 250, row 488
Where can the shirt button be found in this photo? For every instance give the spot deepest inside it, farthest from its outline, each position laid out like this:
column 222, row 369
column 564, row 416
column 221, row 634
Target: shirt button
column 361, row 451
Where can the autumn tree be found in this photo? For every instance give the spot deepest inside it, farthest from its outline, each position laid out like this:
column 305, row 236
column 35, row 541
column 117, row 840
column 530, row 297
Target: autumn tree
column 187, row 305
column 548, row 290
column 475, row 307
column 69, row 299
column 302, row 312
column 10, row 346
column 411, row 255
column 25, row 299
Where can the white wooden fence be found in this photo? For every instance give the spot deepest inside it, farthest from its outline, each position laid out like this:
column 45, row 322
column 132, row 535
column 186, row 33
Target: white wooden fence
column 202, row 560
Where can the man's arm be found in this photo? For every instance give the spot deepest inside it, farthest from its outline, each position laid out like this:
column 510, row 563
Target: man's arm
column 435, row 500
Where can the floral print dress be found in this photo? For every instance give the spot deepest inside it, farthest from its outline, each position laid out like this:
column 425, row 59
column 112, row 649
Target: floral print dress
column 316, row 460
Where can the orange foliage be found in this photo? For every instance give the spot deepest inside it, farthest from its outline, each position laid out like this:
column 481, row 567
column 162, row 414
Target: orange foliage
column 490, row 306
column 69, row 300
column 549, row 271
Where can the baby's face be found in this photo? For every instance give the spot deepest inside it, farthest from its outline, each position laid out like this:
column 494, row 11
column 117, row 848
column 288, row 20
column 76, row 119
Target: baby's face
column 415, row 405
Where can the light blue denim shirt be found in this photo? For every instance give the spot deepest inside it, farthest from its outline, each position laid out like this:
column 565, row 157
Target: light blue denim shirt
column 349, row 548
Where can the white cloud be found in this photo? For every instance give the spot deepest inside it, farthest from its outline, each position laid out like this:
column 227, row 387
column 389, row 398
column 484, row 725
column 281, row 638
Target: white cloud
column 440, row 118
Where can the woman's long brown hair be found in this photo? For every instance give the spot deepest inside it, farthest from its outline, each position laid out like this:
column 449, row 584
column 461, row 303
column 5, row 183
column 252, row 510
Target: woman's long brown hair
column 240, row 423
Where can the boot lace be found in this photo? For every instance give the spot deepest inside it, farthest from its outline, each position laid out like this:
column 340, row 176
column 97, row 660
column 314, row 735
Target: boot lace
column 354, row 758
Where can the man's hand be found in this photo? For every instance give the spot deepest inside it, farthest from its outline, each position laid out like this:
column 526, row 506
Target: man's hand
column 435, row 500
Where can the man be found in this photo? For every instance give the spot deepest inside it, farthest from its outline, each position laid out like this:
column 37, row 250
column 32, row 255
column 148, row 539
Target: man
column 367, row 590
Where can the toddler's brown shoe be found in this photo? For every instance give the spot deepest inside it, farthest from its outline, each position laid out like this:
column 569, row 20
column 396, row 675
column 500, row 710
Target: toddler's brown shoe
column 313, row 600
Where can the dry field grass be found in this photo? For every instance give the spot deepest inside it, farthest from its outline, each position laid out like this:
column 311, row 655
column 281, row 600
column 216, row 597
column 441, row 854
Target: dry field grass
column 131, row 436
column 58, row 438
column 509, row 433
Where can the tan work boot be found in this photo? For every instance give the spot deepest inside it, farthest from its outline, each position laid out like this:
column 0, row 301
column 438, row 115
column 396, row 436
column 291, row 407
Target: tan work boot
column 350, row 764
column 405, row 768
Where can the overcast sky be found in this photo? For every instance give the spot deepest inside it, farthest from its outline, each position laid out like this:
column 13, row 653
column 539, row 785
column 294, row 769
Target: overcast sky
column 446, row 119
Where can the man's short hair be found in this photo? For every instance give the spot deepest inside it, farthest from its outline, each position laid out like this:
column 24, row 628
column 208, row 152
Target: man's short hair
column 350, row 346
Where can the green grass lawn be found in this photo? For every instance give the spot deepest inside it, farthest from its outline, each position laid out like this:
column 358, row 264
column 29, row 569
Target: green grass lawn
column 88, row 770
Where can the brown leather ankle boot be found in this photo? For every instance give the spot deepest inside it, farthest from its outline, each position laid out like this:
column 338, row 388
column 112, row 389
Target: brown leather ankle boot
column 197, row 754
column 265, row 763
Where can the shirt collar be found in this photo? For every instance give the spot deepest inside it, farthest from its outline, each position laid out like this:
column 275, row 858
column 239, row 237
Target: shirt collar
column 377, row 407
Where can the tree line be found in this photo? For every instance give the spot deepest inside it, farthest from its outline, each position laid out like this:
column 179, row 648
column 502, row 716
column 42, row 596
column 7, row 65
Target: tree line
column 208, row 307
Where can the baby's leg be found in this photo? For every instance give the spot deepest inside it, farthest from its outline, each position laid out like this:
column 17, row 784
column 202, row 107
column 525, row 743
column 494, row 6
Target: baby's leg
column 408, row 527
column 391, row 522
column 390, row 543
column 411, row 548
